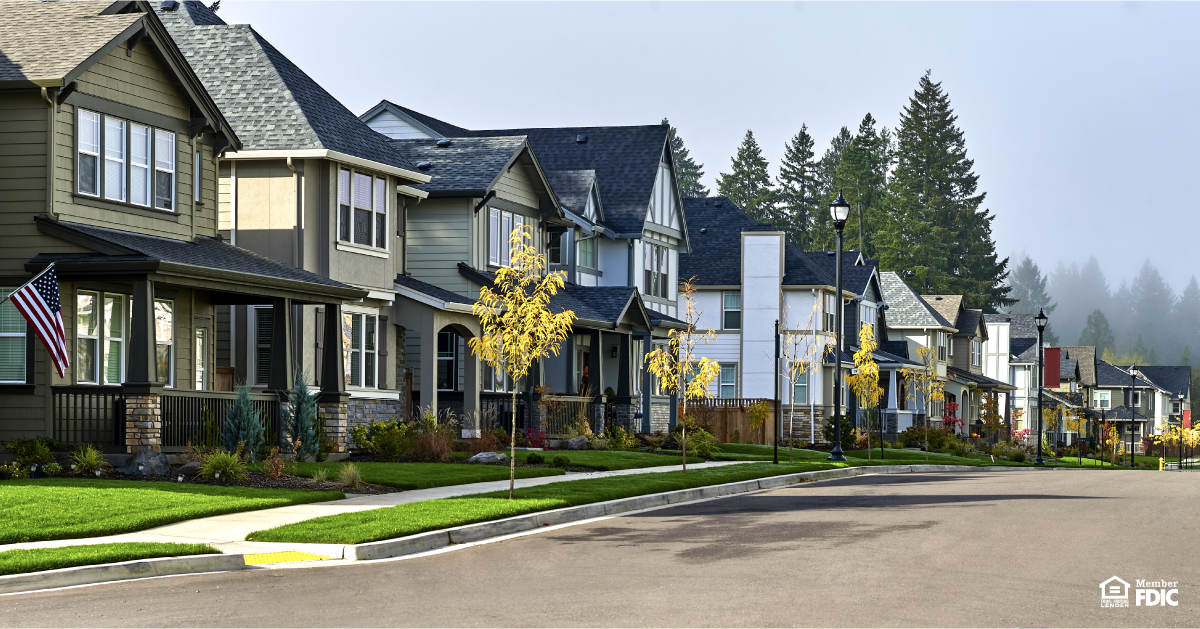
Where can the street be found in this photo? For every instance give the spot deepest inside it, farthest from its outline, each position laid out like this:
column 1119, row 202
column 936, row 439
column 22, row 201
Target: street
column 969, row 549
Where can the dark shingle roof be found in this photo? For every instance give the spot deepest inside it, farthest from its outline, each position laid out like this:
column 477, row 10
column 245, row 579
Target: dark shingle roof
column 1068, row 368
column 905, row 307
column 47, row 40
column 1174, row 379
column 1122, row 412
column 572, row 187
column 431, row 290
column 594, row 303
column 1108, row 375
column 1086, row 355
column 895, row 348
column 269, row 101
column 466, row 164
column 978, row 378
column 204, row 252
column 968, row 322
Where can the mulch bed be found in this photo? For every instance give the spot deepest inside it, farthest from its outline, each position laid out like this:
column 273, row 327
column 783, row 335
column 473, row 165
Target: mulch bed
column 258, row 480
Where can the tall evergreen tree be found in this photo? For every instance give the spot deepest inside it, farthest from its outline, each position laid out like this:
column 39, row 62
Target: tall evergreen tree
column 687, row 171
column 749, row 184
column 1097, row 333
column 822, row 236
column 798, row 189
column 1029, row 290
column 1153, row 302
column 1186, row 324
column 1078, row 291
column 862, row 177
column 937, row 234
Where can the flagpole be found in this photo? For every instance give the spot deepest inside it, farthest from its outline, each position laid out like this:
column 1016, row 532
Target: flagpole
column 17, row 289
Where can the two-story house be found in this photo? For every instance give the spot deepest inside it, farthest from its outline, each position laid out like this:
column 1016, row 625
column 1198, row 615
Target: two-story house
column 1176, row 393
column 913, row 322
column 314, row 188
column 966, row 382
column 1132, row 404
column 1010, row 356
column 110, row 142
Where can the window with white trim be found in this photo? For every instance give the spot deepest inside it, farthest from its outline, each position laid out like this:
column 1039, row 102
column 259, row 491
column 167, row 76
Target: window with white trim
column 164, row 170
column 800, row 390
column 729, row 381
column 99, row 338
column 1137, row 398
column 139, row 164
column 501, row 226
column 87, row 338
column 731, row 310
column 201, row 369
column 587, row 252
column 639, row 366
column 115, row 320
column 941, row 345
column 89, row 152
column 447, row 365
column 164, row 341
column 1175, row 406
column 114, row 159
column 119, row 160
column 196, row 175
column 976, row 353
column 830, row 313
column 358, row 346
column 362, row 209
column 12, row 341
column 657, row 269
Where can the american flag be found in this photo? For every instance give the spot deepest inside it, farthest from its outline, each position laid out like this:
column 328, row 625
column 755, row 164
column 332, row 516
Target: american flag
column 38, row 302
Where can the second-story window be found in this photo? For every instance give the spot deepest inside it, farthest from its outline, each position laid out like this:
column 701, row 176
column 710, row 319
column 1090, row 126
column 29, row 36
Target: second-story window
column 657, row 270
column 587, row 253
column 125, row 162
column 941, row 345
column 830, row 312
column 731, row 310
column 164, row 170
column 114, row 159
column 362, row 208
column 976, row 353
column 501, row 225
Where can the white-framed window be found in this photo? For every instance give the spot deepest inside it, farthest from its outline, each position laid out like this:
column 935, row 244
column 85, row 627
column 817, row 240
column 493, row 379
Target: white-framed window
column 114, row 159
column 89, row 152
column 1137, row 398
column 830, row 311
column 358, row 344
column 501, row 225
column 139, row 165
column 639, row 365
column 201, row 369
column 115, row 322
column 362, row 209
column 496, row 381
column 1175, row 408
column 1150, row 401
column 950, row 342
column 731, row 310
column 800, row 389
column 729, row 381
column 164, row 170
column 656, row 387
column 657, row 270
column 12, row 341
column 87, row 337
column 941, row 345
column 587, row 252
column 447, row 364
column 976, row 353
column 196, row 175
column 164, row 341
column 123, row 161
column 867, row 315
column 260, row 351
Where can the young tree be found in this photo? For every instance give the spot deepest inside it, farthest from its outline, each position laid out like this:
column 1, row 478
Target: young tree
column 1098, row 333
column 922, row 382
column 687, row 171
column 749, row 184
column 798, row 194
column 799, row 350
column 677, row 366
column 865, row 380
column 517, row 322
column 300, row 416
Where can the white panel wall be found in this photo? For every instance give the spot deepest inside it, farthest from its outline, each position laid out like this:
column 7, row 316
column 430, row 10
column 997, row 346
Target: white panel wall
column 613, row 258
column 800, row 308
column 394, row 127
column 762, row 273
column 709, row 303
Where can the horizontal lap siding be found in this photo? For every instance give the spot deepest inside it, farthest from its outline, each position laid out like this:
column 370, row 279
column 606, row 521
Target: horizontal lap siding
column 140, row 81
column 439, row 237
column 516, row 186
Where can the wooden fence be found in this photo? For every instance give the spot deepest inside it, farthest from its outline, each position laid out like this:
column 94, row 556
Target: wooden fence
column 725, row 416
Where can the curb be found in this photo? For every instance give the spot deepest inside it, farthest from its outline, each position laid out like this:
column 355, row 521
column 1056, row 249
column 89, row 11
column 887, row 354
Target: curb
column 103, row 573
column 433, row 540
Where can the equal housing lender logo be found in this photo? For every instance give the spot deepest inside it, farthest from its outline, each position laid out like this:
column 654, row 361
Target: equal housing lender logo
column 1115, row 593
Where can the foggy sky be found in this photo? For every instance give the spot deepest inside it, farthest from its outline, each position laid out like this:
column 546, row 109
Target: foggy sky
column 1080, row 117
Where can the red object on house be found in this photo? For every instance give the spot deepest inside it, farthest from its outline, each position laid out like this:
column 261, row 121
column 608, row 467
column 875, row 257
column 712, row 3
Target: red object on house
column 1187, row 419
column 1052, row 366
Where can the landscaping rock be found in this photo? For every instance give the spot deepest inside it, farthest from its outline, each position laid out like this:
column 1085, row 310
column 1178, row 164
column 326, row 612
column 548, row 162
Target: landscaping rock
column 190, row 469
column 153, row 464
column 488, row 457
column 579, row 443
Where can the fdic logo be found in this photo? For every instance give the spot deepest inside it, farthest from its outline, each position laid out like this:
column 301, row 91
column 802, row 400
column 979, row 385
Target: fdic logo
column 1115, row 593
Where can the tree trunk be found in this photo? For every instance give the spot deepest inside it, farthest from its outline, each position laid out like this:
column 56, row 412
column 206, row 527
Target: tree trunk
column 683, row 426
column 512, row 446
column 791, row 420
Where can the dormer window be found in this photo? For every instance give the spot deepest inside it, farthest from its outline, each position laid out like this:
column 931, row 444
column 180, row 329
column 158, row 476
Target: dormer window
column 362, row 209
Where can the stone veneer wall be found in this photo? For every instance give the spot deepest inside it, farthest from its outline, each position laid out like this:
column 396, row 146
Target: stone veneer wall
column 143, row 423
column 660, row 416
column 363, row 410
column 335, row 415
column 801, row 424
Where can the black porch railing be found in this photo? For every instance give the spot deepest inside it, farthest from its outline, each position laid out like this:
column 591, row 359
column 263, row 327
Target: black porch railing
column 564, row 411
column 94, row 415
column 496, row 411
column 186, row 413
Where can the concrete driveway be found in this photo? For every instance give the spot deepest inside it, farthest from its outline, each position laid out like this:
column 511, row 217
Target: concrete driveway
column 972, row 549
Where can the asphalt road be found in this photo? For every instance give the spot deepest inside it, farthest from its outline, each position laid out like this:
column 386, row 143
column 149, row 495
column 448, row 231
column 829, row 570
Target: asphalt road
column 972, row 549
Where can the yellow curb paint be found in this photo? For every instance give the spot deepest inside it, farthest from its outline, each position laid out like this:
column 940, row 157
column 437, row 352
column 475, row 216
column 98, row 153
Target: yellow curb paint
column 259, row 559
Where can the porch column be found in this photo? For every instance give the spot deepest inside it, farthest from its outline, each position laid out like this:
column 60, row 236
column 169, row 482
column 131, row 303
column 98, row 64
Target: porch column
column 647, row 345
column 596, row 377
column 281, row 377
column 428, row 362
column 471, row 426
column 143, row 393
column 623, row 414
column 334, row 403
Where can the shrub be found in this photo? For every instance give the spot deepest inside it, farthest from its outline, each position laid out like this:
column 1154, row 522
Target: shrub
column 52, row 468
column 701, row 443
column 655, row 441
column 393, row 440
column 243, row 424
column 435, row 439
column 273, row 464
column 8, row 472
column 349, row 475
column 737, row 437
column 848, row 438
column 1016, row 455
column 536, row 438
column 321, row 475
column 535, row 459
column 621, row 439
column 88, row 459
column 31, row 451
column 300, row 416
column 231, row 465
column 862, row 440
column 560, row 460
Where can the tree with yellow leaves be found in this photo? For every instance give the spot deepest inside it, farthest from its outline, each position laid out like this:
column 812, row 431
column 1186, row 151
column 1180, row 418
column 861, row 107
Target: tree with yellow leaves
column 865, row 379
column 518, row 326
column 923, row 383
column 800, row 350
column 678, row 368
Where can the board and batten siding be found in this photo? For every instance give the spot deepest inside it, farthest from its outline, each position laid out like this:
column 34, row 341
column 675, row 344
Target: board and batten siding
column 394, row 127
column 439, row 237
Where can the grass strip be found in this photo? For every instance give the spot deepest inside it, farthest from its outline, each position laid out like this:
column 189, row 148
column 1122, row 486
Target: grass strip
column 431, row 515
column 64, row 508
column 410, row 476
column 21, row 561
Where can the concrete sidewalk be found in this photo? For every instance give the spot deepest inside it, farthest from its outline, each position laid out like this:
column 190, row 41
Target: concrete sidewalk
column 227, row 533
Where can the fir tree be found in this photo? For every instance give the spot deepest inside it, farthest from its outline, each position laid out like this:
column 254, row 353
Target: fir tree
column 1185, row 359
column 1028, row 289
column 1153, row 301
column 300, row 416
column 822, row 235
column 862, row 177
column 1187, row 315
column 1097, row 333
column 687, row 172
column 938, row 233
column 749, row 184
column 797, row 197
column 243, row 424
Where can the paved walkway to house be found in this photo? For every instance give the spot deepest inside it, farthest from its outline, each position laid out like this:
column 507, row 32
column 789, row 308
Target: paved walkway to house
column 228, row 532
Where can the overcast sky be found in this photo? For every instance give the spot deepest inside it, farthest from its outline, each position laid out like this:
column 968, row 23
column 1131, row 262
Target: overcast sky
column 1081, row 117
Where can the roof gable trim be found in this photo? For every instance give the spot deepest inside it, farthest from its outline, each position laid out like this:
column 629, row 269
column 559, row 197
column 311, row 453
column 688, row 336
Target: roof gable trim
column 336, row 156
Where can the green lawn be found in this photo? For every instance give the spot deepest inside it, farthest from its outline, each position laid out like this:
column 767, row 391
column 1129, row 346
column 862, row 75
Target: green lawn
column 432, row 515
column 608, row 460
column 39, row 559
column 750, row 452
column 64, row 508
column 425, row 475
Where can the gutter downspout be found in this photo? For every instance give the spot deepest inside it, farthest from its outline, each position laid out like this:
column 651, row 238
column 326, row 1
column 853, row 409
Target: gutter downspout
column 297, row 229
column 233, row 198
column 51, row 120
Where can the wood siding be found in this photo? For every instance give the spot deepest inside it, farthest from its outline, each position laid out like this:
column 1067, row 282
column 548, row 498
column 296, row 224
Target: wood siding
column 140, row 80
column 516, row 186
column 439, row 238
column 394, row 127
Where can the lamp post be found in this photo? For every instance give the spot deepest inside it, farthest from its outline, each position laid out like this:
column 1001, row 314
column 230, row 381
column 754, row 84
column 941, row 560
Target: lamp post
column 840, row 211
column 1133, row 376
column 1041, row 321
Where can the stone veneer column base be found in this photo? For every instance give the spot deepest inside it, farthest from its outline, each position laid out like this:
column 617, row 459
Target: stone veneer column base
column 143, row 423
column 335, row 416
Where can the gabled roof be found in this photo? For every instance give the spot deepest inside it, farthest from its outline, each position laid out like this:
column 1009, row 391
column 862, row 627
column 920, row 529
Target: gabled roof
column 573, row 187
column 593, row 305
column 1176, row 380
column 979, row 379
column 433, row 126
column 906, row 309
column 1108, row 375
column 1086, row 356
column 1068, row 368
column 426, row 288
column 949, row 306
column 271, row 103
column 895, row 348
column 969, row 323
column 467, row 165
column 1122, row 412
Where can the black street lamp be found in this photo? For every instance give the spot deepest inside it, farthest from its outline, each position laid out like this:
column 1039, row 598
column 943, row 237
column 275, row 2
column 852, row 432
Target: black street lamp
column 1133, row 376
column 840, row 210
column 1041, row 321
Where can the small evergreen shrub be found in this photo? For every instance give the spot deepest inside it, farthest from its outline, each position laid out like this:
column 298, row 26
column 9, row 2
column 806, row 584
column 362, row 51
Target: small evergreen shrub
column 1016, row 455
column 701, row 443
column 243, row 429
column 535, row 459
column 848, row 437
column 300, row 418
column 560, row 460
column 88, row 459
column 37, row 451
column 231, row 465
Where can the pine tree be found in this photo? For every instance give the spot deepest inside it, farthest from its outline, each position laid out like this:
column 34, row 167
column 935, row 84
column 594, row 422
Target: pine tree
column 797, row 197
column 687, row 171
column 749, row 184
column 1028, row 289
column 1097, row 333
column 937, row 232
column 243, row 424
column 862, row 177
column 1187, row 315
column 300, row 417
column 822, row 235
column 1153, row 302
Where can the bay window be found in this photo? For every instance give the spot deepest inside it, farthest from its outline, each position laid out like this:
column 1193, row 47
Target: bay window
column 501, row 226
column 362, row 208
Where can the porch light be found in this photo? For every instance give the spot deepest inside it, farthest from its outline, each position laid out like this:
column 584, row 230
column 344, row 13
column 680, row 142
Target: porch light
column 840, row 211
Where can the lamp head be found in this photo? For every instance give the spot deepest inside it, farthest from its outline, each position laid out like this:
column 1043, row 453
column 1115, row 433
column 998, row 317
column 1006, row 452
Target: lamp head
column 840, row 211
column 1041, row 319
column 1133, row 371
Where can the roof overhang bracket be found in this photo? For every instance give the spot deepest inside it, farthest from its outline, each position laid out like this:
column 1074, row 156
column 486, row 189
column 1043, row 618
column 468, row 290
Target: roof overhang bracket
column 64, row 93
column 220, row 143
column 198, row 125
column 487, row 197
column 134, row 40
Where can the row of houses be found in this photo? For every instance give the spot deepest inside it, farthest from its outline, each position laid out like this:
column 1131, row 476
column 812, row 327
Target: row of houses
column 215, row 216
